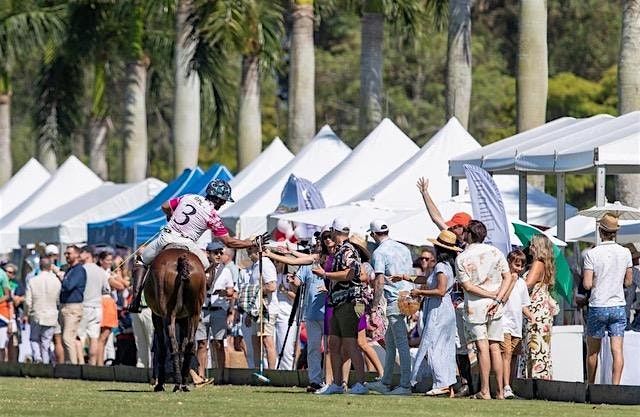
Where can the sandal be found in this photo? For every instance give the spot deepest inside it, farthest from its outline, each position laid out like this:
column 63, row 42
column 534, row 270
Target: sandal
column 204, row 382
column 438, row 392
column 479, row 396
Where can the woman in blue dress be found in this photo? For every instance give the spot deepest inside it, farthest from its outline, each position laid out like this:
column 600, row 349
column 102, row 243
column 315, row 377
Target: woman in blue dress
column 438, row 341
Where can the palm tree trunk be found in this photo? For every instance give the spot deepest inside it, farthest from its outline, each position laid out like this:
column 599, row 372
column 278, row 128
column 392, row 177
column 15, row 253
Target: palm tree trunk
column 186, row 111
column 371, row 66
column 98, row 129
column 47, row 157
column 628, row 186
column 302, row 115
column 5, row 137
column 458, row 85
column 249, row 119
column 532, row 77
column 135, row 124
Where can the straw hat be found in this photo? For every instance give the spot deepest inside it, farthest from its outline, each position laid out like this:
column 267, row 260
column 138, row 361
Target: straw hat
column 447, row 240
column 361, row 244
column 609, row 223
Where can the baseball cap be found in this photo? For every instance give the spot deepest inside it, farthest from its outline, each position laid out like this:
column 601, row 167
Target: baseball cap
column 51, row 250
column 214, row 245
column 378, row 226
column 341, row 225
column 459, row 219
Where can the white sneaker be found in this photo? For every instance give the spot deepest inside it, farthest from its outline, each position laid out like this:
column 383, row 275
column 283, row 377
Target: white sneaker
column 359, row 389
column 400, row 391
column 378, row 387
column 330, row 389
column 508, row 393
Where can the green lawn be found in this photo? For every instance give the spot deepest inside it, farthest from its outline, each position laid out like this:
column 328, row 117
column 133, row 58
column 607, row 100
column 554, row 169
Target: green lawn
column 57, row 397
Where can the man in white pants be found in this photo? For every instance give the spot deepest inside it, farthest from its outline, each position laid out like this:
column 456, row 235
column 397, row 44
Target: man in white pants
column 41, row 305
column 287, row 287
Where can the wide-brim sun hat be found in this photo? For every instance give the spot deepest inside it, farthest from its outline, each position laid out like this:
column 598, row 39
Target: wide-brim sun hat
column 446, row 240
column 361, row 244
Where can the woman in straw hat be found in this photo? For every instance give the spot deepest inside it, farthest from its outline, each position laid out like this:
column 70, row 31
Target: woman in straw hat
column 438, row 338
column 377, row 327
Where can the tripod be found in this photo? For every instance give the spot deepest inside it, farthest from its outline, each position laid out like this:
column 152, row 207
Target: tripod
column 295, row 315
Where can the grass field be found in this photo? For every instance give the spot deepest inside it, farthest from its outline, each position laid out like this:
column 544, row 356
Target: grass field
column 57, row 397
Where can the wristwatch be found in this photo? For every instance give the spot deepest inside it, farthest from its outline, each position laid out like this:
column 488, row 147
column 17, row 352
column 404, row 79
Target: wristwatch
column 497, row 300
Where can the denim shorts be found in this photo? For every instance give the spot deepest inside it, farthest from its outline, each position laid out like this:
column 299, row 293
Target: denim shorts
column 613, row 320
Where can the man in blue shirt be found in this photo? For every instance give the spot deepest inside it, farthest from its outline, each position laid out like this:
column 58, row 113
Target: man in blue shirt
column 71, row 298
column 392, row 258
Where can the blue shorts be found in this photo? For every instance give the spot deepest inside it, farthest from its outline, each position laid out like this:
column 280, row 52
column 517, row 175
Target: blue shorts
column 613, row 320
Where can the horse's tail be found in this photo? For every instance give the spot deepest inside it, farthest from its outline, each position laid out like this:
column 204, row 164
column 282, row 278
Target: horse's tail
column 183, row 268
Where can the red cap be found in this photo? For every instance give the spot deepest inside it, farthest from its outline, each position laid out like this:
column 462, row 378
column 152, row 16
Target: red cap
column 459, row 219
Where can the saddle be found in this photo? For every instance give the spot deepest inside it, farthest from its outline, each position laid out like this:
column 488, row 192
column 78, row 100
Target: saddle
column 176, row 246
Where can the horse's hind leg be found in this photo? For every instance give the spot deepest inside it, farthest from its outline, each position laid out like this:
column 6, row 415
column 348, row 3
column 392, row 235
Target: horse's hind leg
column 175, row 353
column 161, row 351
column 186, row 351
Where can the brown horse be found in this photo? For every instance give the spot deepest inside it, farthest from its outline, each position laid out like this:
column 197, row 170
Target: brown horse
column 175, row 292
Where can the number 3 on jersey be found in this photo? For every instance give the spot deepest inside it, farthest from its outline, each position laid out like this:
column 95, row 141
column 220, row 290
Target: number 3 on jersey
column 186, row 215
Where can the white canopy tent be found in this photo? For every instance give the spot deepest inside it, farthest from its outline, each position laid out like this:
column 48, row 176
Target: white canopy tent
column 29, row 178
column 71, row 180
column 601, row 144
column 378, row 155
column 270, row 161
column 68, row 223
column 248, row 216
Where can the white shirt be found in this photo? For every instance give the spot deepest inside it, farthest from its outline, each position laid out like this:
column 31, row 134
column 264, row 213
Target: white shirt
column 512, row 316
column 285, row 304
column 97, row 281
column 609, row 262
column 221, row 281
column 269, row 274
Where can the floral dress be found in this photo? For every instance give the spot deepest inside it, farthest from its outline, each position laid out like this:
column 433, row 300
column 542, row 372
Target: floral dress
column 538, row 334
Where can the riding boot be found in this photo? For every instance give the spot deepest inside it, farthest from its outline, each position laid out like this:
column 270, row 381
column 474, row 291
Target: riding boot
column 139, row 278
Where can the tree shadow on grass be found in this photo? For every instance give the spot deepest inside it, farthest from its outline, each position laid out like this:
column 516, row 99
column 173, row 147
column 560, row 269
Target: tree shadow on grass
column 280, row 392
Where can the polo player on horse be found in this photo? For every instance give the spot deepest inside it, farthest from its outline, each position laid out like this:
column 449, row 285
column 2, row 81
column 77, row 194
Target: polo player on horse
column 188, row 216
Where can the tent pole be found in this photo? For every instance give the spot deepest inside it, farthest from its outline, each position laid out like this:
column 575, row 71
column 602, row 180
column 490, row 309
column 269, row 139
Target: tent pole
column 560, row 200
column 455, row 186
column 522, row 196
column 601, row 198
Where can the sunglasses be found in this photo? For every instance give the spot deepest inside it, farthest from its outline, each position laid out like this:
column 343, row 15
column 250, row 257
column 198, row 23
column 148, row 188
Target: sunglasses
column 10, row 271
column 217, row 251
column 427, row 259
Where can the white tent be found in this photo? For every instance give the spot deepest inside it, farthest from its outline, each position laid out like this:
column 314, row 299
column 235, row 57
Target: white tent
column 71, row 180
column 379, row 154
column 398, row 189
column 29, row 178
column 68, row 223
column 249, row 215
column 270, row 161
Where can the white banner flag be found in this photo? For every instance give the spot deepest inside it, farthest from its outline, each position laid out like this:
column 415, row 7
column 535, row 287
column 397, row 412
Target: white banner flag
column 488, row 207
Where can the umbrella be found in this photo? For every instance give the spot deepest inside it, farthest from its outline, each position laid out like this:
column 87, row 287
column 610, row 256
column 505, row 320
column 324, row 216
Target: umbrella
column 617, row 209
column 564, row 278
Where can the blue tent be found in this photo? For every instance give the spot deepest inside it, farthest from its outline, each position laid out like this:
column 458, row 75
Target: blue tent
column 104, row 232
column 134, row 232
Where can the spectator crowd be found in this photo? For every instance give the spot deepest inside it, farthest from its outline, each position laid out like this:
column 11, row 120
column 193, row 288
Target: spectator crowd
column 334, row 305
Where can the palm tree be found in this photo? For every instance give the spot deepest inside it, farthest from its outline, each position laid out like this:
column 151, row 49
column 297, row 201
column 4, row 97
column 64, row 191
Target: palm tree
column 24, row 26
column 186, row 109
column 135, row 123
column 532, row 76
column 253, row 28
column 628, row 186
column 405, row 17
column 458, row 82
column 302, row 113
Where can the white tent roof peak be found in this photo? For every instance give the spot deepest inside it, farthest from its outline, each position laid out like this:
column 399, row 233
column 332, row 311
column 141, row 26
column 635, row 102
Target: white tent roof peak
column 271, row 160
column 319, row 156
column 386, row 145
column 29, row 178
column 398, row 189
column 71, row 180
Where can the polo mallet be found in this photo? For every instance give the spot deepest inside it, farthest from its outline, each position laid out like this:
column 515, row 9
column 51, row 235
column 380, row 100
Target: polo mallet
column 292, row 317
column 260, row 373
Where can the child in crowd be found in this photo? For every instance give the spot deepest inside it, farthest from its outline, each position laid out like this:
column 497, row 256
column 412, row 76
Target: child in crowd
column 517, row 305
